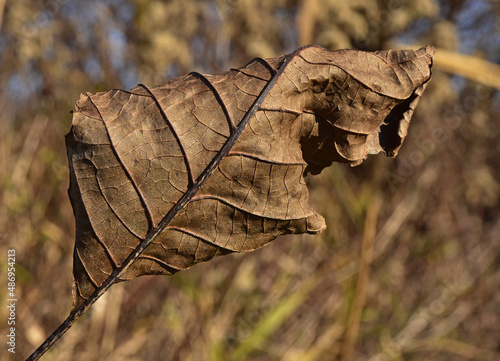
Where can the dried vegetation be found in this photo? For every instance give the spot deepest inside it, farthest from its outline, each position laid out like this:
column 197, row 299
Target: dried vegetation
column 409, row 265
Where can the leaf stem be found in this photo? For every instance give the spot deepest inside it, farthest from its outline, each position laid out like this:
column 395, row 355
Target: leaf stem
column 68, row 322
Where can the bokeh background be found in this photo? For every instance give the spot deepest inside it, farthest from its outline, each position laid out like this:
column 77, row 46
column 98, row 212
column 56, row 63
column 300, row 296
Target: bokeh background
column 409, row 266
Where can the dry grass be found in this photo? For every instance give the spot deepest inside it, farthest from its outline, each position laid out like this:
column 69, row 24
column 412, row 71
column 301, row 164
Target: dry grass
column 408, row 268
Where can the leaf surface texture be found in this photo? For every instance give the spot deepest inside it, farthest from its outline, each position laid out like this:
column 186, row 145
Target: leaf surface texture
column 207, row 165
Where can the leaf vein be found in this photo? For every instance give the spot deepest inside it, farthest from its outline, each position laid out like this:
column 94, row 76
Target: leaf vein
column 169, row 123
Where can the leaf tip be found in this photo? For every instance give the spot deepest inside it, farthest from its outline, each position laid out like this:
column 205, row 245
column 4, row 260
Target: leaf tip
column 315, row 224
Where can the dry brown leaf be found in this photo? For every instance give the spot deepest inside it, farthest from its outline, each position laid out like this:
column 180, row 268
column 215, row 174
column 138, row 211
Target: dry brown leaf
column 165, row 177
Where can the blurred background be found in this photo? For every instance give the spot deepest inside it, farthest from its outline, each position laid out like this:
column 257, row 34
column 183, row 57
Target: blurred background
column 409, row 266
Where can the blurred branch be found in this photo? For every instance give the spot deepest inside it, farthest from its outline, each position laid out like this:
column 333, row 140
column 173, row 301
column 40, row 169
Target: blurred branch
column 306, row 20
column 470, row 67
column 104, row 45
column 358, row 303
column 27, row 155
column 462, row 349
column 2, row 8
